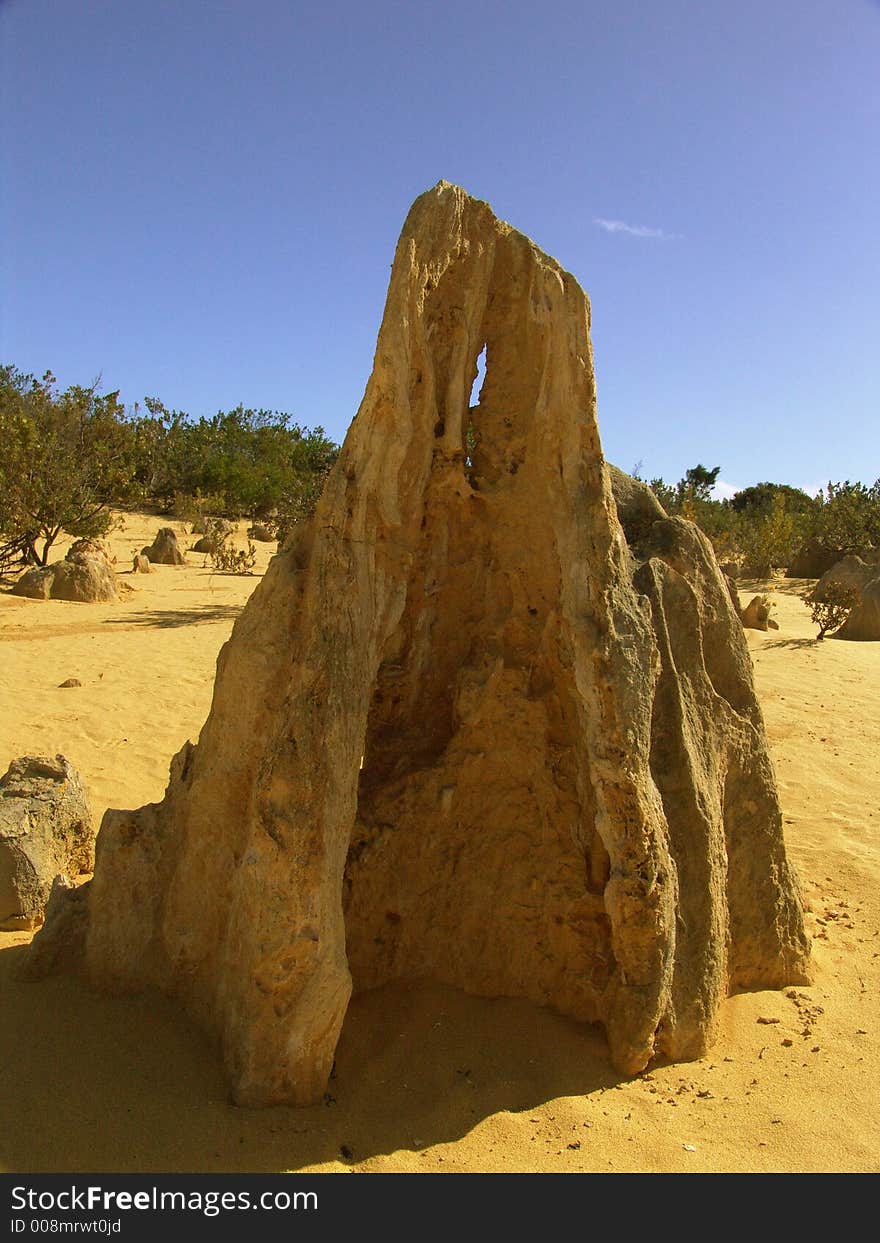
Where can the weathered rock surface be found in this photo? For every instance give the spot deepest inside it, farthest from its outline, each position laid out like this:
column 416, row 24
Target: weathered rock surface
column 815, row 558
column 850, row 572
column 812, row 560
column 61, row 944
column 488, row 718
column 863, row 623
column 756, row 615
column 83, row 550
column 141, row 564
column 45, row 830
column 164, row 549
column 730, row 584
column 83, row 576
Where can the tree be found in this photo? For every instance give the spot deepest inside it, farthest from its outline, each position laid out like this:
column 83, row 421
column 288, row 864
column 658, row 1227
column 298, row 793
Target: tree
column 66, row 456
column 847, row 516
column 257, row 463
column 694, row 489
column 665, row 494
column 759, row 498
column 831, row 611
column 769, row 537
column 698, row 482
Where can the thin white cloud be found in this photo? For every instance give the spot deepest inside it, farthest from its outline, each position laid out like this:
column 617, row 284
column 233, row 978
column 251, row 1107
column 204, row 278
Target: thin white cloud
column 634, row 230
column 724, row 491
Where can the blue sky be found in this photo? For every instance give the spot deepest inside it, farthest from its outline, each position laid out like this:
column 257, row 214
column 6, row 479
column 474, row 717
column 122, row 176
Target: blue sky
column 200, row 201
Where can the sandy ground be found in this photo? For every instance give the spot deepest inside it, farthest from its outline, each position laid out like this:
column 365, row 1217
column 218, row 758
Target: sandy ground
column 428, row 1079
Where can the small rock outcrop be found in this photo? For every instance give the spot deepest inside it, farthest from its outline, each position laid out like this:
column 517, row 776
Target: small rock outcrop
column 756, row 615
column 488, row 718
column 164, row 549
column 207, row 544
column 85, row 576
column 141, row 564
column 863, row 623
column 45, row 830
column 260, row 533
column 61, row 948
column 816, row 557
column 83, row 550
column 812, row 560
column 850, row 572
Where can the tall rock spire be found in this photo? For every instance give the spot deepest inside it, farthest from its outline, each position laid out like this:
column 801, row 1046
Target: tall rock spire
column 489, row 718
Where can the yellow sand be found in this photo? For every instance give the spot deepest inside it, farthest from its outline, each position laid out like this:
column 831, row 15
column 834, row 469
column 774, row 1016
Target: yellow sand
column 428, row 1079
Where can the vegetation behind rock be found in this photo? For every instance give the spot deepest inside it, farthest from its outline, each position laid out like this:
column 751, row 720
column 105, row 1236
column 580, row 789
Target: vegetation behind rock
column 764, row 527
column 69, row 456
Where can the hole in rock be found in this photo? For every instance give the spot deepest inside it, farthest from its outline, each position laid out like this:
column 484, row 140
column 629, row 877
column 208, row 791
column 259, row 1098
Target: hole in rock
column 479, row 379
column 470, row 433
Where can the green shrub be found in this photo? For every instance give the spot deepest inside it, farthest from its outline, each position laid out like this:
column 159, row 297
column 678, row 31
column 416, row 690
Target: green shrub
column 66, row 457
column 832, row 610
column 224, row 558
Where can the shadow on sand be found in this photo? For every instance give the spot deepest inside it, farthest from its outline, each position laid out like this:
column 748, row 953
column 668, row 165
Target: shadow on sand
column 785, row 586
column 165, row 618
column 793, row 643
column 97, row 1083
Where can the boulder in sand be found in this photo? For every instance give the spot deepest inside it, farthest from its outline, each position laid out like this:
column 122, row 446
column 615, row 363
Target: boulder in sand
column 812, row 560
column 81, row 577
column 816, row 557
column 164, row 549
column 756, row 615
column 45, row 830
column 488, row 718
column 141, row 564
column 66, row 923
column 90, row 550
column 850, row 572
column 863, row 623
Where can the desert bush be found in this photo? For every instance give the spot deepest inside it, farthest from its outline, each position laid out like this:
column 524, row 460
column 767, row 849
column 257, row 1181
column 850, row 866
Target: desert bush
column 759, row 499
column 832, row 610
column 227, row 560
column 213, row 533
column 194, row 509
column 765, row 525
column 768, row 537
column 847, row 516
column 66, row 458
column 224, row 558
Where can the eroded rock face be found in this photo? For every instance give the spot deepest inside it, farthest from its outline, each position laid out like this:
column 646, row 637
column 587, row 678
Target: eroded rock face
column 61, row 944
column 489, row 718
column 45, row 830
column 850, row 572
column 82, row 578
column 83, row 550
column 816, row 558
column 164, row 549
column 863, row 623
column 756, row 615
